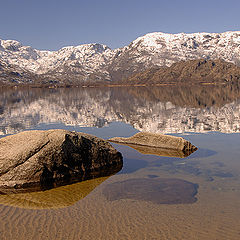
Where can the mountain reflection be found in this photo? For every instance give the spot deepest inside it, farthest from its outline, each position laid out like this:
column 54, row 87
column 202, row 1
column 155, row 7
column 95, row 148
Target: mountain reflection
column 166, row 109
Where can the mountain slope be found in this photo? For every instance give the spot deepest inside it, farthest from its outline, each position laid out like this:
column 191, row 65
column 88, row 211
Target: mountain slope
column 161, row 49
column 192, row 71
column 96, row 62
column 14, row 74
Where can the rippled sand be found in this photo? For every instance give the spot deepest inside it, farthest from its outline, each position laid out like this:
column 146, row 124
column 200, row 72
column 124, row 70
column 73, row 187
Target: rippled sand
column 213, row 216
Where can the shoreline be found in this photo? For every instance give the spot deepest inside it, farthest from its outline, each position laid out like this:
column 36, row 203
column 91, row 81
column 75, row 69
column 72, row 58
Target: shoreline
column 3, row 86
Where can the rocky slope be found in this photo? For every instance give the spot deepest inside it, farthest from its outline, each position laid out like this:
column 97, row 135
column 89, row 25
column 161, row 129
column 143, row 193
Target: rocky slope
column 15, row 74
column 97, row 62
column 192, row 71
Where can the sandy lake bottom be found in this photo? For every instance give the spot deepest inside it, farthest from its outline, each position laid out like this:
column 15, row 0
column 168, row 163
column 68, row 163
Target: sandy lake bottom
column 142, row 201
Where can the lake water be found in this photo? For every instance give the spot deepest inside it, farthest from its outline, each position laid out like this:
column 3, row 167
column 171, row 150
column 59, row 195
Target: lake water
column 152, row 197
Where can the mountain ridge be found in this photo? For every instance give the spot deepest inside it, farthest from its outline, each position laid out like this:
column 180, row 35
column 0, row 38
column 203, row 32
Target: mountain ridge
column 97, row 62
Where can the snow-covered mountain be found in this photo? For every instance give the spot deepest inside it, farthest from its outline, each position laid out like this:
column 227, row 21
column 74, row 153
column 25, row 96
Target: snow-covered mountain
column 93, row 62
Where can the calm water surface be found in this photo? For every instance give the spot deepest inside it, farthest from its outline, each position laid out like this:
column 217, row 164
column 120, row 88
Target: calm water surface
column 152, row 197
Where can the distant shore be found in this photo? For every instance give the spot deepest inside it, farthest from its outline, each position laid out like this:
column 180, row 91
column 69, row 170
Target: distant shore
column 105, row 85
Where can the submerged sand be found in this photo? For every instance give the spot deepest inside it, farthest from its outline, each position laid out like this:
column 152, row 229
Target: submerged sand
column 55, row 198
column 157, row 190
column 213, row 216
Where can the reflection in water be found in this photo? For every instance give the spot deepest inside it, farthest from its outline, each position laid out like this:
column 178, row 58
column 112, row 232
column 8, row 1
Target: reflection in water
column 161, row 151
column 60, row 197
column 166, row 109
column 215, row 166
column 194, row 168
column 133, row 165
column 54, row 183
column 59, row 194
column 203, row 153
column 158, row 190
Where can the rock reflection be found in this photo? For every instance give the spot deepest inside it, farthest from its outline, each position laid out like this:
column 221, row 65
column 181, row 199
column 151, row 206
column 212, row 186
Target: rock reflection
column 163, row 152
column 157, row 190
column 58, row 197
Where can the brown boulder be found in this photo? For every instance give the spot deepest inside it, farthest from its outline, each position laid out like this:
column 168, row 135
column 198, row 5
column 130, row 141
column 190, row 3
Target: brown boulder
column 42, row 159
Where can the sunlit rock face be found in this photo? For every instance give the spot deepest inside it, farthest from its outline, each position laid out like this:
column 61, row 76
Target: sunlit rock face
column 43, row 159
column 157, row 109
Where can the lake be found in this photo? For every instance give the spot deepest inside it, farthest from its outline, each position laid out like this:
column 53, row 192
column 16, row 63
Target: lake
column 153, row 196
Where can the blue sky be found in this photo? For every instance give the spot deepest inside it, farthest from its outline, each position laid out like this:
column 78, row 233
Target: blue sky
column 52, row 24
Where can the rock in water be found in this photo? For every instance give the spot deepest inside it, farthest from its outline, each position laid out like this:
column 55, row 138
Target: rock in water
column 157, row 141
column 45, row 158
column 157, row 190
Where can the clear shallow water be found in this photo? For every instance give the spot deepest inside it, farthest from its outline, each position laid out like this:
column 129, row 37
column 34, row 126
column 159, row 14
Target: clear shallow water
column 87, row 210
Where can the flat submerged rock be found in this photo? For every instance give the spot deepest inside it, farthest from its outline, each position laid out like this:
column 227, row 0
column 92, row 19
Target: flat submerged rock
column 157, row 190
column 44, row 159
column 154, row 140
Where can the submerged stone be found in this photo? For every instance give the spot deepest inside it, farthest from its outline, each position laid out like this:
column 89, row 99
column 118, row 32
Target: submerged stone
column 154, row 140
column 157, row 190
column 44, row 159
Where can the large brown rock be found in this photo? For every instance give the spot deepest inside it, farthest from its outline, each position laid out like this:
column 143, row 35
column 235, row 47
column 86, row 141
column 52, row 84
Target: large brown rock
column 45, row 158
